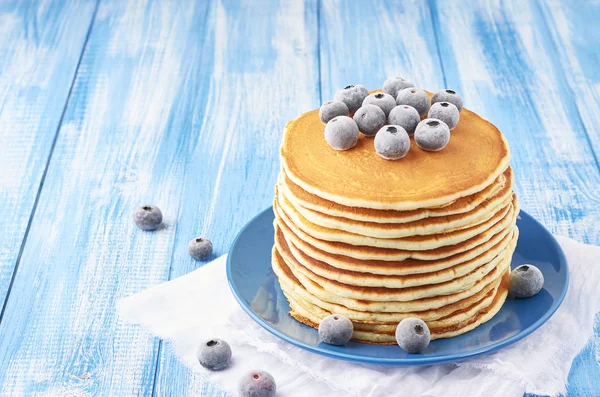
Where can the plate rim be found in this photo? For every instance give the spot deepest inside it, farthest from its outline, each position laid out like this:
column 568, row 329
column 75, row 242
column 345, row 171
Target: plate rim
column 412, row 360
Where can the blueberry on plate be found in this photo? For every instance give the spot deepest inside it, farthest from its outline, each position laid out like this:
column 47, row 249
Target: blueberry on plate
column 432, row 135
column 341, row 133
column 336, row 329
column 382, row 100
column 448, row 96
column 370, row 119
column 416, row 98
column 406, row 117
column 446, row 112
column 393, row 85
column 257, row 384
column 525, row 281
column 148, row 217
column 412, row 335
column 392, row 142
column 200, row 248
column 214, row 354
column 331, row 109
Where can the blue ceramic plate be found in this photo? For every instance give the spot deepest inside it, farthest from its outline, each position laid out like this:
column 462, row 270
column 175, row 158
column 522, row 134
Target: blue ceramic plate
column 257, row 290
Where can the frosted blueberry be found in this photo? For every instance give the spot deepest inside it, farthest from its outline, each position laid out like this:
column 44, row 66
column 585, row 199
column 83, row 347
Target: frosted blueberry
column 214, row 354
column 392, row 142
column 331, row 109
column 148, row 217
column 370, row 119
column 382, row 100
column 446, row 112
column 341, row 133
column 525, row 281
column 416, row 98
column 412, row 334
column 200, row 248
column 432, row 135
column 257, row 384
column 448, row 96
column 406, row 117
column 353, row 96
column 393, row 85
column 336, row 329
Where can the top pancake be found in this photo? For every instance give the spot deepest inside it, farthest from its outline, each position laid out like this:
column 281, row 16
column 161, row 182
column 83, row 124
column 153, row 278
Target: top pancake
column 475, row 156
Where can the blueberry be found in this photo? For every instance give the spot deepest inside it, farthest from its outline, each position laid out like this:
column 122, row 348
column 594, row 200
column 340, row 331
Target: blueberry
column 331, row 109
column 200, row 248
column 336, row 329
column 392, row 142
column 448, row 96
column 416, row 98
column 432, row 135
column 341, row 133
column 406, row 117
column 446, row 112
column 394, row 85
column 412, row 334
column 353, row 96
column 385, row 101
column 148, row 217
column 257, row 384
column 525, row 281
column 369, row 119
column 214, row 354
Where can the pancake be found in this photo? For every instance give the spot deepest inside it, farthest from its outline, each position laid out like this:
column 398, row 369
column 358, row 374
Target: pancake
column 393, row 281
column 280, row 266
column 465, row 204
column 475, row 156
column 411, row 243
column 483, row 252
column 426, row 226
column 385, row 294
column 365, row 334
column 430, row 236
column 391, row 254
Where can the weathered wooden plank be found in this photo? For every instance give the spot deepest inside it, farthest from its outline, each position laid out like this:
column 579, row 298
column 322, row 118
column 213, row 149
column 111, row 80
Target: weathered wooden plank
column 365, row 42
column 574, row 29
column 126, row 139
column 265, row 73
column 500, row 56
column 40, row 45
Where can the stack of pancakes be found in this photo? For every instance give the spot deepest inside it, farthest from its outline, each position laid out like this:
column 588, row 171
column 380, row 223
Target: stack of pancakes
column 428, row 236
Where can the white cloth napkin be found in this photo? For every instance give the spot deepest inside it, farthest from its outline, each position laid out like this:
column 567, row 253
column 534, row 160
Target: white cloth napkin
column 199, row 306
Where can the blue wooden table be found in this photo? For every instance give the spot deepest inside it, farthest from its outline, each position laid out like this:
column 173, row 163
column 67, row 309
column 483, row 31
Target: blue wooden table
column 106, row 105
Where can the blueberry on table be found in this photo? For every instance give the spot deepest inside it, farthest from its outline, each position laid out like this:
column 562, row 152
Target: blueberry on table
column 448, row 96
column 148, row 217
column 214, row 354
column 331, row 109
column 257, row 384
column 382, row 100
column 392, row 142
column 370, row 119
column 200, row 248
column 445, row 111
column 412, row 335
column 432, row 135
column 341, row 133
column 353, row 96
column 336, row 329
column 393, row 85
column 525, row 281
column 406, row 117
